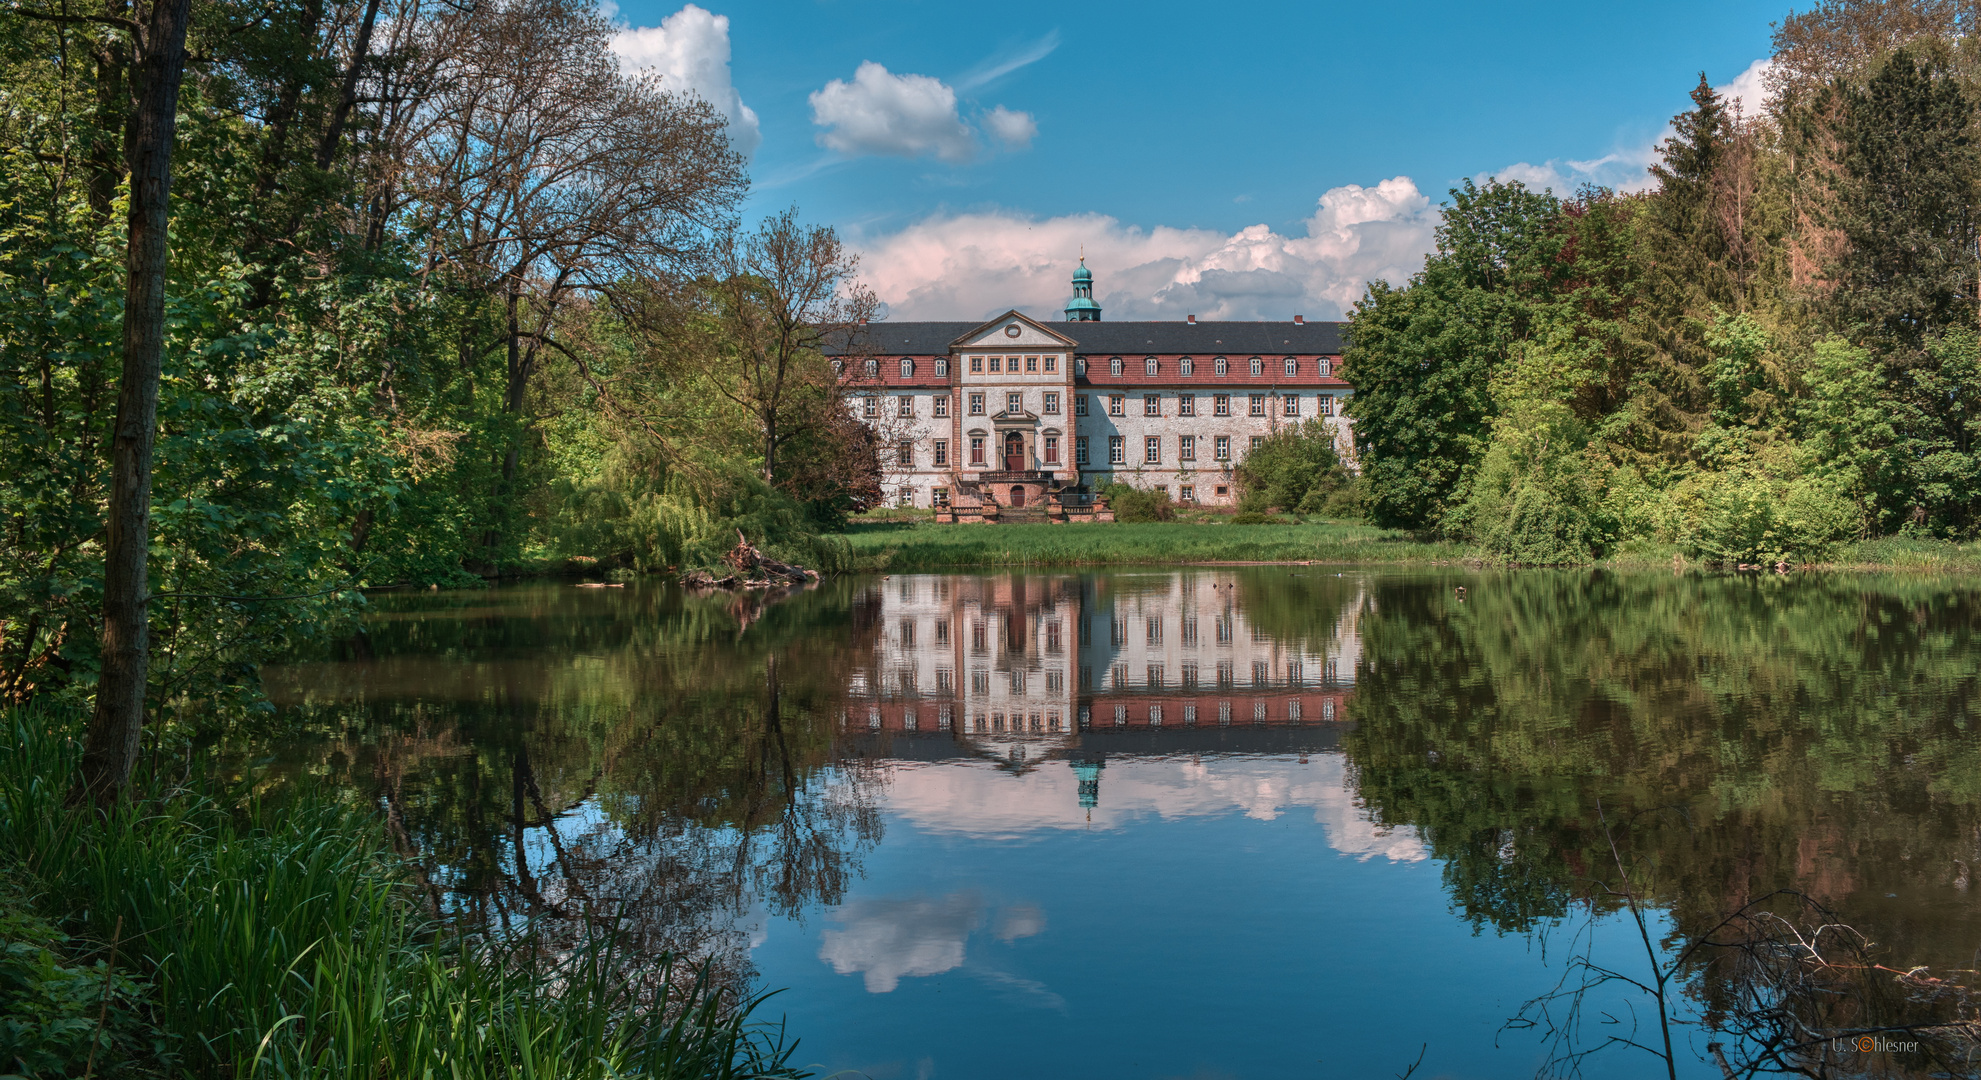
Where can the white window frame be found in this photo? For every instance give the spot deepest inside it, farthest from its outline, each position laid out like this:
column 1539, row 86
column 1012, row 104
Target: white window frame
column 1290, row 405
column 1049, row 404
column 1079, row 404
column 1079, row 449
column 1186, row 448
column 1117, row 450
column 1221, row 447
column 1186, row 404
column 1292, row 367
column 1151, row 404
column 1152, row 450
column 1186, row 366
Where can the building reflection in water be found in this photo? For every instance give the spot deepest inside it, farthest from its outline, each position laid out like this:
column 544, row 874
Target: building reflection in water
column 1027, row 668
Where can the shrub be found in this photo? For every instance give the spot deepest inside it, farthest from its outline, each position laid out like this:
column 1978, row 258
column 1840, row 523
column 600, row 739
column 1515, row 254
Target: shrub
column 1140, row 504
column 1298, row 469
column 1534, row 499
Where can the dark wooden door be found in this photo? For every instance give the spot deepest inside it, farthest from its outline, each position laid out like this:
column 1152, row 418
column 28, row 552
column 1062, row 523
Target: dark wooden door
column 1017, row 495
column 1014, row 452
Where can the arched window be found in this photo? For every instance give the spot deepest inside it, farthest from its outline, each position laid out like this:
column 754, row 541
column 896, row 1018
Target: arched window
column 1258, row 366
column 1114, row 366
column 1151, row 366
column 1223, row 366
column 1187, row 366
column 1327, row 367
column 873, row 368
column 1292, row 367
column 908, row 367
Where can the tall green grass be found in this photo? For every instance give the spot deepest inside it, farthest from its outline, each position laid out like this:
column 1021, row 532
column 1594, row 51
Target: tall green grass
column 930, row 546
column 279, row 942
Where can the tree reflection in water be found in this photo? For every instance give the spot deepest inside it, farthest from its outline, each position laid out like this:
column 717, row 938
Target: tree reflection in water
column 680, row 762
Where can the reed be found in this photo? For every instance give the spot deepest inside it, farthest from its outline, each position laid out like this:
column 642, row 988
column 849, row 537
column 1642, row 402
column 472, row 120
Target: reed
column 279, row 942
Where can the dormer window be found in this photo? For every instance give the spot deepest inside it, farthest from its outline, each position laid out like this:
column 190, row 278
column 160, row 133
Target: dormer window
column 1151, row 366
column 1080, row 366
column 941, row 366
column 907, row 368
column 1292, row 367
column 1223, row 366
column 1114, row 366
column 1327, row 367
column 1258, row 366
column 838, row 368
column 873, row 369
column 1187, row 366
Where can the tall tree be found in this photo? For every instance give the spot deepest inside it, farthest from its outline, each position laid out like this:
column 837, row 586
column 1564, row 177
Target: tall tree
column 110, row 747
column 1422, row 358
column 1905, row 203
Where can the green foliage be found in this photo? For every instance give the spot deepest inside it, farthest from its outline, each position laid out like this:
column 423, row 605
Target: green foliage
column 1536, row 497
column 1133, row 504
column 283, row 941
column 1422, row 358
column 929, row 546
column 1297, row 469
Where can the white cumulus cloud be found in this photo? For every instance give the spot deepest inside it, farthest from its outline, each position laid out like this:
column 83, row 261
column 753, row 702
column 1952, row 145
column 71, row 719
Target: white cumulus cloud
column 689, row 50
column 1012, row 128
column 967, row 266
column 881, row 113
column 1628, row 169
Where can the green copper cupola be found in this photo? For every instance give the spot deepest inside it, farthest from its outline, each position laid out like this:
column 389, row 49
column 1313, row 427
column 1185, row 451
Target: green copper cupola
column 1082, row 307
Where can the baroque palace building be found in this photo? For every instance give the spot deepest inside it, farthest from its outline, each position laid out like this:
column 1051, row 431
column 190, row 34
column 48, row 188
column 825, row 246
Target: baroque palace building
column 1018, row 419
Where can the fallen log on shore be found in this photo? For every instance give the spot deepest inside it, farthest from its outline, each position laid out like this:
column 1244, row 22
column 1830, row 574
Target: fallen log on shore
column 752, row 569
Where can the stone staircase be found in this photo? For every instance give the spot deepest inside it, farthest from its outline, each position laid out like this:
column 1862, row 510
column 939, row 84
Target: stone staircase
column 1021, row 515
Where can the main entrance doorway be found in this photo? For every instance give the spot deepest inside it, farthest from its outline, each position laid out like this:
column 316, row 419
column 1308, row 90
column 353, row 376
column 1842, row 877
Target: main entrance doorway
column 1017, row 495
column 1014, row 451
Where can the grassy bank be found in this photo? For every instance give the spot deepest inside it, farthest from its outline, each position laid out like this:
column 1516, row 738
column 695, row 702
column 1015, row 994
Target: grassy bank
column 191, row 934
column 922, row 544
column 906, row 546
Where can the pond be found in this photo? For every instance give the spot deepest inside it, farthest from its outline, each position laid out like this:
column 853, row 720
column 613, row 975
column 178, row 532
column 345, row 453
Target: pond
column 1215, row 822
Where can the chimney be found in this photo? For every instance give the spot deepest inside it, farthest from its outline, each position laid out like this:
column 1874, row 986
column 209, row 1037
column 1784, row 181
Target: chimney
column 863, row 322
column 1191, row 319
column 1300, row 320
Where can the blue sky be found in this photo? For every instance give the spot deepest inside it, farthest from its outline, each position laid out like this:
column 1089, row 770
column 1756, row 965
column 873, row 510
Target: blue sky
column 960, row 146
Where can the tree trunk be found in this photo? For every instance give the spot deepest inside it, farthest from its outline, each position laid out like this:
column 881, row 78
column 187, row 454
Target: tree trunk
column 110, row 747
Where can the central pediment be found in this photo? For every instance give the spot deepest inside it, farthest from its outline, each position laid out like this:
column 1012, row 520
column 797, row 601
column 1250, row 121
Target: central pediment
column 1014, row 330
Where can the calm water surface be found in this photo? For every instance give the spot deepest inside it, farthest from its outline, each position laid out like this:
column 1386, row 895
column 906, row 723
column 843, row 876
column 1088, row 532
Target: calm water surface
column 1265, row 822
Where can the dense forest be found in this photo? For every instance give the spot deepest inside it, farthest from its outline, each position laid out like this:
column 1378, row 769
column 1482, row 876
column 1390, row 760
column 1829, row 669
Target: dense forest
column 1771, row 351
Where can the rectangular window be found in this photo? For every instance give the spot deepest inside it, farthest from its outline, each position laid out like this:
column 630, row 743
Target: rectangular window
column 1220, row 404
column 1052, row 449
column 1116, row 405
column 1155, row 678
column 1290, row 405
column 1224, row 674
column 1186, row 448
column 1079, row 449
column 870, row 404
column 1190, row 675
column 1052, row 363
column 940, row 404
column 1117, row 450
column 1190, row 630
column 976, row 365
column 1186, row 404
column 1119, row 676
column 1050, row 406
column 1151, row 405
column 942, row 451
column 1187, row 493
column 1261, row 673
column 1325, row 404
column 942, row 367
column 904, row 454
column 905, row 497
column 905, row 405
column 996, row 364
column 976, row 449
column 907, row 631
column 1014, row 403
column 942, row 499
column 1221, row 448
column 977, row 642
column 1258, row 404
column 1152, row 450
column 1258, row 441
column 1031, row 365
column 1052, row 641
column 1079, row 404
column 976, row 404
column 1224, row 630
